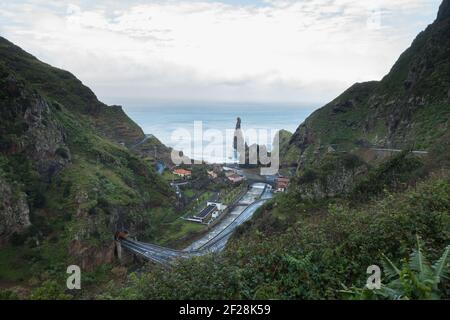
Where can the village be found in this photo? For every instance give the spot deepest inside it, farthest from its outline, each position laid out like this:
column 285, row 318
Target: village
column 208, row 191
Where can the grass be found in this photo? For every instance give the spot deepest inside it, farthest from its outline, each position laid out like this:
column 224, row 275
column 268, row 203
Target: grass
column 189, row 193
column 20, row 263
column 230, row 195
column 179, row 233
column 198, row 204
column 13, row 266
column 169, row 176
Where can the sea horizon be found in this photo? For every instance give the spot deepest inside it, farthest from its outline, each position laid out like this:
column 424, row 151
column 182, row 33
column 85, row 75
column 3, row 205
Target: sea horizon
column 162, row 120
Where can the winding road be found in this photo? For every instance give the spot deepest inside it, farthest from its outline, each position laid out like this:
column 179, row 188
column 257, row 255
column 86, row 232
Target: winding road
column 216, row 243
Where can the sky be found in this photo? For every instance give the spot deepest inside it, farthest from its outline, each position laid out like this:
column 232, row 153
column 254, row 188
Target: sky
column 139, row 53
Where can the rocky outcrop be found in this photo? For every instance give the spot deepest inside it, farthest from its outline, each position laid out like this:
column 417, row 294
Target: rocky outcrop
column 334, row 175
column 29, row 128
column 444, row 11
column 338, row 183
column 14, row 212
column 87, row 256
column 29, row 136
column 46, row 143
column 238, row 138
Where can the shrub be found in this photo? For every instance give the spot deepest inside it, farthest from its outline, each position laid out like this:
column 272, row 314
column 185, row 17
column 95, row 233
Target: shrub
column 416, row 279
column 50, row 290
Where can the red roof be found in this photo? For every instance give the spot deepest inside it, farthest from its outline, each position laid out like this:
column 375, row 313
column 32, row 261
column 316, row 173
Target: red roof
column 182, row 172
column 282, row 183
column 235, row 177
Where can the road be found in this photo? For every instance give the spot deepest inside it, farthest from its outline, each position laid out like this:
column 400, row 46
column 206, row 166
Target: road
column 417, row 152
column 147, row 136
column 214, row 241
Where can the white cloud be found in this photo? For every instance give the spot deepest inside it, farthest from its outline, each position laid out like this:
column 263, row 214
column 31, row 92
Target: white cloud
column 135, row 52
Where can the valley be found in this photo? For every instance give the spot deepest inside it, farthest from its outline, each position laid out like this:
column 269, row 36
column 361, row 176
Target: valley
column 363, row 181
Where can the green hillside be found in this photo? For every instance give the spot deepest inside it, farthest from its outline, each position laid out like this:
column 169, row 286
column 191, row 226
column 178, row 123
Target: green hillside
column 67, row 180
column 62, row 87
column 409, row 108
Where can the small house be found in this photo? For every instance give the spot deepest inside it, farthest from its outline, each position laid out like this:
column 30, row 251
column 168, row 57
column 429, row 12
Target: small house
column 182, row 173
column 235, row 178
column 282, row 184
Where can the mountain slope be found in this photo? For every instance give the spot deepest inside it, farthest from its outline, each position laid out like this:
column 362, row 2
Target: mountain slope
column 409, row 108
column 62, row 87
column 67, row 184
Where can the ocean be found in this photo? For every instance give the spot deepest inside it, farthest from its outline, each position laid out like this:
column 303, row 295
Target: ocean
column 205, row 131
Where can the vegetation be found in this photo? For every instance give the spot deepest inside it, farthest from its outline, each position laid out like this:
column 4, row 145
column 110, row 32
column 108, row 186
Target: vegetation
column 79, row 183
column 307, row 250
column 50, row 290
column 401, row 170
column 416, row 279
column 407, row 109
column 67, row 156
column 63, row 88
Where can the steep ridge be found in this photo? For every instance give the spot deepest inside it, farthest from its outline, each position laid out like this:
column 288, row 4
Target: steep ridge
column 62, row 87
column 67, row 183
column 408, row 108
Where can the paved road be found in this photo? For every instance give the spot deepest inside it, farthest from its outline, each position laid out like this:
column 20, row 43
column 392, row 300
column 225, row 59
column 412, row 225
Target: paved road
column 214, row 243
column 218, row 243
column 147, row 136
column 398, row 150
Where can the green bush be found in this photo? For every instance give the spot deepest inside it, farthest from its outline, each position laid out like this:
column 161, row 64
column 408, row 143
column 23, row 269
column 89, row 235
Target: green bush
column 391, row 174
column 50, row 290
column 417, row 279
column 307, row 250
column 6, row 294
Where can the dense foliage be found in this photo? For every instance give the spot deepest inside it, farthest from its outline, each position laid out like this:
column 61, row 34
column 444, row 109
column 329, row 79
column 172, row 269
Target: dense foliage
column 307, row 250
column 416, row 279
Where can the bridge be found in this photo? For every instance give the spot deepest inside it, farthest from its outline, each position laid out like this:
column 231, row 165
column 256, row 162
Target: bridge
column 217, row 243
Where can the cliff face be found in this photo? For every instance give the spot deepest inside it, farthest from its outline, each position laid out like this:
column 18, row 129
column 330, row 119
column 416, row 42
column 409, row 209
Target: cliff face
column 66, row 182
column 29, row 127
column 409, row 108
column 62, row 87
column 28, row 134
column 444, row 11
column 14, row 212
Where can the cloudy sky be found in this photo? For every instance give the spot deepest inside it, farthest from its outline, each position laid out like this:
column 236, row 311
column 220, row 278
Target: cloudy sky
column 138, row 52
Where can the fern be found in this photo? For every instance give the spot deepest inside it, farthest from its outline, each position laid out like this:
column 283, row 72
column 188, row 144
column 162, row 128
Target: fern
column 441, row 267
column 417, row 279
column 419, row 263
column 389, row 268
column 302, row 264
